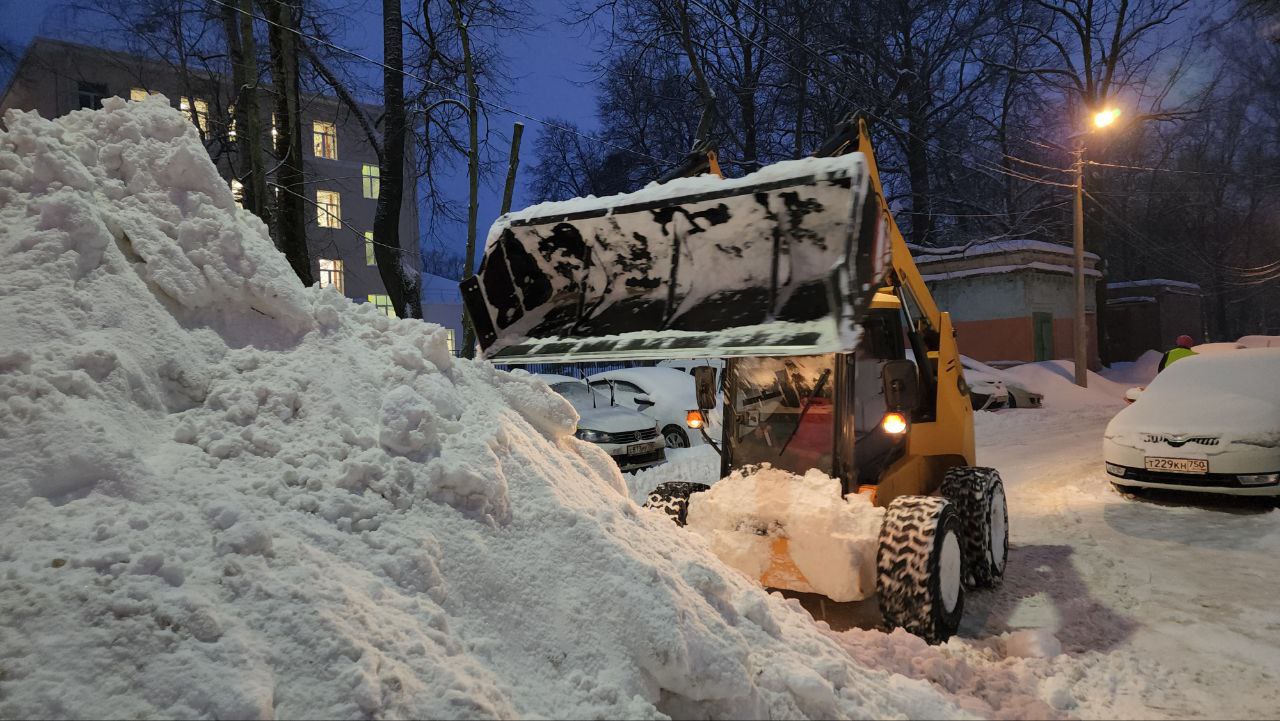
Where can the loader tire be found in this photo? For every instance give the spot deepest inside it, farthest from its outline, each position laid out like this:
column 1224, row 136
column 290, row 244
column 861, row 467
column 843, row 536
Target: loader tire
column 672, row 498
column 978, row 494
column 920, row 567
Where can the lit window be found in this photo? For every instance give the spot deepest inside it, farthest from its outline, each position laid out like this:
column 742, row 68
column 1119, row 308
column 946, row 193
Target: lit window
column 449, row 340
column 90, row 95
column 384, row 304
column 237, row 192
column 369, row 174
column 328, row 209
column 201, row 116
column 331, row 274
column 324, row 137
column 368, row 248
column 136, row 94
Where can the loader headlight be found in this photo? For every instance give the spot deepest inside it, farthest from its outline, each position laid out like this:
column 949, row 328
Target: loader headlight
column 587, row 434
column 695, row 419
column 894, row 424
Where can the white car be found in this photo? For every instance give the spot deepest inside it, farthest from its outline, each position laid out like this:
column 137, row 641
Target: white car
column 631, row 438
column 1208, row 423
column 1019, row 396
column 666, row 395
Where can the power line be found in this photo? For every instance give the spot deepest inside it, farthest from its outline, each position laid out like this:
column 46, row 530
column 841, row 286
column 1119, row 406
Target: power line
column 1175, row 170
column 445, row 88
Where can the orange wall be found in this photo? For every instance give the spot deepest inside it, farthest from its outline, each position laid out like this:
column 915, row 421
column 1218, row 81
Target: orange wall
column 1014, row 339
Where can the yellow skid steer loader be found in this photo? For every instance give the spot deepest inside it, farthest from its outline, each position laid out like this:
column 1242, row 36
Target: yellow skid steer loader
column 837, row 358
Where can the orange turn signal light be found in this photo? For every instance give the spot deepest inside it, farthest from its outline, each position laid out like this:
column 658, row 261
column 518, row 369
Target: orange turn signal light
column 894, row 424
column 694, row 419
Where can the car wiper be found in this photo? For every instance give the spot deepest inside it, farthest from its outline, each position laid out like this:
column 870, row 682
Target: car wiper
column 808, row 399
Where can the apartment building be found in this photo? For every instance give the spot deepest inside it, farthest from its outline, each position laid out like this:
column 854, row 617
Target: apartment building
column 55, row 77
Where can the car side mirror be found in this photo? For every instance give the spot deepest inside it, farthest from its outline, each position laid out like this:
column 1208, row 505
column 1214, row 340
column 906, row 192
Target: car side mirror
column 704, row 385
column 642, row 401
column 1132, row 394
column 901, row 385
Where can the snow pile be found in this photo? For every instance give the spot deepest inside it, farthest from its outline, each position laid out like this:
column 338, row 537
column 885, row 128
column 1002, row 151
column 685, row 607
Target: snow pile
column 1021, row 674
column 225, row 495
column 1056, row 380
column 1260, row 341
column 699, row 464
column 831, row 540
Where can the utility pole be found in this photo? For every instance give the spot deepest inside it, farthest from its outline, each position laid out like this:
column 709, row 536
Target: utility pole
column 1081, row 335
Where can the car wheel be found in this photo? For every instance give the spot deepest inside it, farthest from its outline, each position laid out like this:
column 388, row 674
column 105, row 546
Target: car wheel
column 676, row 437
column 672, row 498
column 978, row 495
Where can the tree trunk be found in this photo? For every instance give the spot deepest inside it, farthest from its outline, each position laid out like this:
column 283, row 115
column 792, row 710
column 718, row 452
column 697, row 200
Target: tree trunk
column 473, row 166
column 291, row 229
column 386, row 220
column 244, row 76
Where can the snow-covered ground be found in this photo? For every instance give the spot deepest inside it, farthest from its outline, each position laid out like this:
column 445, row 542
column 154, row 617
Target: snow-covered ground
column 1161, row 606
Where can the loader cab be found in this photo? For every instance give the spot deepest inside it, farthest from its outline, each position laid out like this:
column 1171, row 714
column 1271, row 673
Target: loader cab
column 828, row 412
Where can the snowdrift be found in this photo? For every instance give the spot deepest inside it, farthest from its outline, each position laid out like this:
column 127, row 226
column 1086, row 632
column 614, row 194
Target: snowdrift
column 226, row 495
column 1056, row 380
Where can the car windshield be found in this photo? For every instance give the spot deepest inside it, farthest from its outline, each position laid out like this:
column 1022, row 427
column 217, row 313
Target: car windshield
column 577, row 393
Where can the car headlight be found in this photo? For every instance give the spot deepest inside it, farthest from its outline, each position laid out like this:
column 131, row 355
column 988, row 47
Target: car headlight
column 1115, row 470
column 592, row 436
column 1259, row 479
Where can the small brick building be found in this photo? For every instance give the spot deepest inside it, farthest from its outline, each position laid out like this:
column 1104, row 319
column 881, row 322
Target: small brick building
column 1151, row 314
column 1011, row 300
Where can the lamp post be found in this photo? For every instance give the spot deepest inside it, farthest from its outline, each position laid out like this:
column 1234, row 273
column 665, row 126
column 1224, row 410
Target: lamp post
column 1080, row 336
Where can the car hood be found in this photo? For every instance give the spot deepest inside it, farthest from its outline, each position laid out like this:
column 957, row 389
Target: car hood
column 1229, row 417
column 612, row 419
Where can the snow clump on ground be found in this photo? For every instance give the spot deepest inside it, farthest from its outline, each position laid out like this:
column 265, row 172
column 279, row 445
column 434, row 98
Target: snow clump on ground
column 223, row 494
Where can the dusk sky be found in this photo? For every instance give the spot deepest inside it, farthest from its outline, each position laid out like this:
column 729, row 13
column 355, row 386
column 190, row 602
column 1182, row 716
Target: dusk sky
column 546, row 62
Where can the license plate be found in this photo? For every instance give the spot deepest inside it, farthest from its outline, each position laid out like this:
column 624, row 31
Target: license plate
column 1178, row 465
column 636, row 448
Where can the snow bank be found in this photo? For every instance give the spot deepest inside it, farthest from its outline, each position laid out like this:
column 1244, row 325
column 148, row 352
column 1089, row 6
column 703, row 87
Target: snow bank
column 832, row 540
column 698, row 464
column 225, row 495
column 1056, row 380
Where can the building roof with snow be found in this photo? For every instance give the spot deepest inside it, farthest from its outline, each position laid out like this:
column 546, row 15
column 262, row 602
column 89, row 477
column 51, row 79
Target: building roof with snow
column 998, row 257
column 1155, row 284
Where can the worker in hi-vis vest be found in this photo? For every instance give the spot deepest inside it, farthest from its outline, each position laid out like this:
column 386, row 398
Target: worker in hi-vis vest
column 1182, row 350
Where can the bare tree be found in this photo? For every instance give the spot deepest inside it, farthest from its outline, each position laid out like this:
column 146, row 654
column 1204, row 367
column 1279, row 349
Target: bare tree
column 243, row 51
column 290, row 217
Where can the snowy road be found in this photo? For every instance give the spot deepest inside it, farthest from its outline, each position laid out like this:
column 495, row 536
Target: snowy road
column 1165, row 605
column 1187, row 581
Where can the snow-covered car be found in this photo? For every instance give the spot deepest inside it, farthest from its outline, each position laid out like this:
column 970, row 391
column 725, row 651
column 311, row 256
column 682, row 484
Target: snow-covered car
column 687, row 365
column 1019, row 395
column 666, row 395
column 1208, row 423
column 631, row 438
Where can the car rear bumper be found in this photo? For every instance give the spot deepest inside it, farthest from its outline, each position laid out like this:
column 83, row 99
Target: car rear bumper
column 1224, row 483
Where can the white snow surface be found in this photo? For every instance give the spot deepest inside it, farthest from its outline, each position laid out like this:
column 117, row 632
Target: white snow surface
column 923, row 254
column 1237, row 394
column 1009, row 268
column 832, row 540
column 226, row 495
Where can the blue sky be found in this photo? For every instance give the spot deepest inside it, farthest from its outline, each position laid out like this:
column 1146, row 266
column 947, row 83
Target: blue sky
column 547, row 63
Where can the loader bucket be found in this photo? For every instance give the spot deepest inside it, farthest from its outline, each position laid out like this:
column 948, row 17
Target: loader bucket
column 779, row 262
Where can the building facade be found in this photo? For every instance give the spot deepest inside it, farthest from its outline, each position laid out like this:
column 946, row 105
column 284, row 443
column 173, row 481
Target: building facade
column 341, row 167
column 1011, row 301
column 1150, row 315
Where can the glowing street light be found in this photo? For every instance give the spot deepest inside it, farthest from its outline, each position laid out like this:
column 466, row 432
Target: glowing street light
column 1103, row 118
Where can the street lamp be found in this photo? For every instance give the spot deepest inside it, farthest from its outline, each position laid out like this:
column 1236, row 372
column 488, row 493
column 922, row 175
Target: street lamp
column 1080, row 336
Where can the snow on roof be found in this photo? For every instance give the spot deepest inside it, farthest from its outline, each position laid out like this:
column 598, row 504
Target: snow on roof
column 923, row 254
column 1131, row 299
column 998, row 269
column 224, row 494
column 1155, row 282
